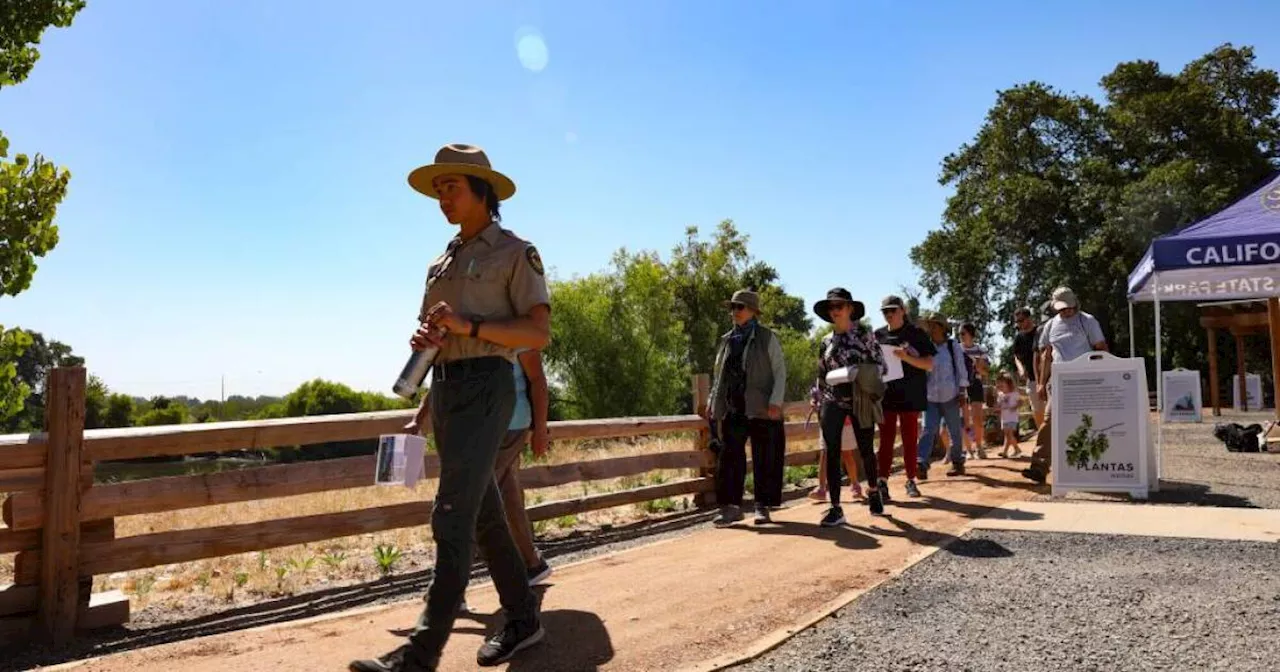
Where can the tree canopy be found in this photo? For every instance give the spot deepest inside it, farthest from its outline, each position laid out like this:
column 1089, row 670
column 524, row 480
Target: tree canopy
column 625, row 340
column 1059, row 188
column 30, row 187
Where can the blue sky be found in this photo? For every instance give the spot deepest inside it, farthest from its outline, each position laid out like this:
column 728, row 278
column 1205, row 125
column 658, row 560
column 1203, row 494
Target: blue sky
column 238, row 204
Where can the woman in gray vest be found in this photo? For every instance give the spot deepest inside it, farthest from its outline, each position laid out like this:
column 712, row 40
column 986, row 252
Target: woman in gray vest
column 746, row 401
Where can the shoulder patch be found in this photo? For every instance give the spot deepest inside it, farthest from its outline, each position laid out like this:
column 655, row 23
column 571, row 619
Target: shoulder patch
column 531, row 253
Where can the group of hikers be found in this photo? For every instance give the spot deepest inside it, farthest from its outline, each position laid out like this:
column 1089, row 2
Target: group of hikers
column 942, row 379
column 485, row 317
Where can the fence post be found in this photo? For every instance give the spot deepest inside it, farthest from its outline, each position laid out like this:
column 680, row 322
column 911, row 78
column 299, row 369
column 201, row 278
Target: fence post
column 60, row 550
column 701, row 398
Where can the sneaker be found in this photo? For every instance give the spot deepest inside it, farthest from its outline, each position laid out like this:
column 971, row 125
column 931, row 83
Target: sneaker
column 463, row 608
column 922, row 471
column 818, row 494
column 882, row 485
column 729, row 515
column 1034, row 474
column 833, row 518
column 403, row 659
column 855, row 491
column 539, row 573
column 912, row 489
column 762, row 515
column 875, row 503
column 515, row 637
column 956, row 469
column 982, row 454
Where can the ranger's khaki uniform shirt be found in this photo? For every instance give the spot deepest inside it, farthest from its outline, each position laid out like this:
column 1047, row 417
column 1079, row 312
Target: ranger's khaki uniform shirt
column 492, row 277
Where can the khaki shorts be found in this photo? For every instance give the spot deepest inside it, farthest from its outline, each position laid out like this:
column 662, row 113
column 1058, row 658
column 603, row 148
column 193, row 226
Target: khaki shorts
column 1037, row 404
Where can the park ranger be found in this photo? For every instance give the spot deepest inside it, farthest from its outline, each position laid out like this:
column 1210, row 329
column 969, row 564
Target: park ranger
column 486, row 299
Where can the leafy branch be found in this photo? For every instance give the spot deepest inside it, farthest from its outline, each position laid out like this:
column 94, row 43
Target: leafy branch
column 1085, row 445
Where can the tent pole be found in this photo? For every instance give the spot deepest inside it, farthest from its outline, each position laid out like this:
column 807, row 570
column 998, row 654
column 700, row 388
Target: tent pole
column 1132, row 344
column 1159, row 383
column 1159, row 361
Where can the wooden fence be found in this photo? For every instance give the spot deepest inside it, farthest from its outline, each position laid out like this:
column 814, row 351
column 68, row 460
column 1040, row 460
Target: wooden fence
column 61, row 525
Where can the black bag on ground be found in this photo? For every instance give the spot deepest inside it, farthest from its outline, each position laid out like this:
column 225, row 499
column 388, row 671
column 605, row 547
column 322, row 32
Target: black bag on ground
column 1239, row 438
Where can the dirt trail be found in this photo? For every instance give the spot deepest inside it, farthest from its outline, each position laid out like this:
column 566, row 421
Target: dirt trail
column 683, row 603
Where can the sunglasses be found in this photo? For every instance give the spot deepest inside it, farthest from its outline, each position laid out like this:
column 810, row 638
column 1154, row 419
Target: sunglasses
column 735, row 307
column 889, row 311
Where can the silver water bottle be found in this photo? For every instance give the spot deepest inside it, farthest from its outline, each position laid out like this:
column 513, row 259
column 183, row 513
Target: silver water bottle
column 415, row 371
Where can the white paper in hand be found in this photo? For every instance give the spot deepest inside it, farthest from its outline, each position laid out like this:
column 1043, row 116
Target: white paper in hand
column 399, row 460
column 892, row 362
column 840, row 376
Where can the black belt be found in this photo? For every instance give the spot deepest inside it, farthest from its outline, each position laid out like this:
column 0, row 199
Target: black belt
column 460, row 368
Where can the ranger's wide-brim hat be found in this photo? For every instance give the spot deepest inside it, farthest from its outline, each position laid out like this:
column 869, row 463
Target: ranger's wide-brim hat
column 823, row 308
column 459, row 159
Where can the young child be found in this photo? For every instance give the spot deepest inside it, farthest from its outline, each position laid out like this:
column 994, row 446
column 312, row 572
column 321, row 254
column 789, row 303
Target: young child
column 1008, row 401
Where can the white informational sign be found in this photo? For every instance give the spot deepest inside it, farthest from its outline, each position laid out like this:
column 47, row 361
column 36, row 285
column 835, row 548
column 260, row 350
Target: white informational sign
column 1252, row 387
column 400, row 459
column 1182, row 400
column 1100, row 427
column 892, row 362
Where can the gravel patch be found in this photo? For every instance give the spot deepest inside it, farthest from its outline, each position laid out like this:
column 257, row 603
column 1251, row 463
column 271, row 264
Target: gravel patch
column 1039, row 601
column 1196, row 468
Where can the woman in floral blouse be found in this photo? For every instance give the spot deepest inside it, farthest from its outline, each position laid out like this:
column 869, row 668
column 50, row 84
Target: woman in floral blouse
column 848, row 347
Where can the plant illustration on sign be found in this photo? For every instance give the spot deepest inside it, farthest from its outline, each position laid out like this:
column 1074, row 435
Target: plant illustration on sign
column 1085, row 445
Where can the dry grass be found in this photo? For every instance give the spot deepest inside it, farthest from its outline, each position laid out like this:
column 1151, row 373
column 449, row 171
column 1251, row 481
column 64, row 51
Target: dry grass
column 250, row 577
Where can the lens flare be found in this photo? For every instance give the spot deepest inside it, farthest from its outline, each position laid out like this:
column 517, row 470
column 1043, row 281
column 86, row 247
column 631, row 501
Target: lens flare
column 531, row 49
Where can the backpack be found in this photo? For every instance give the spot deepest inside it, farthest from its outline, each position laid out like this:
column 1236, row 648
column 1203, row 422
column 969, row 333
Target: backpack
column 1239, row 438
column 951, row 350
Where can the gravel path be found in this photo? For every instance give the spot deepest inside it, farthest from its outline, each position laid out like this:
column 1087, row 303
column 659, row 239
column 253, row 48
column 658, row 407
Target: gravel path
column 1039, row 601
column 1196, row 468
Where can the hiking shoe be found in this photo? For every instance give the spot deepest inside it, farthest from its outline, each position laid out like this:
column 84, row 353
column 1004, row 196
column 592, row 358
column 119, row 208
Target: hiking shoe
column 833, row 518
column 403, row 659
column 875, row 503
column 982, row 454
column 515, row 637
column 762, row 515
column 883, row 486
column 729, row 515
column 912, row 489
column 956, row 470
column 1035, row 475
column 922, row 471
column 539, row 573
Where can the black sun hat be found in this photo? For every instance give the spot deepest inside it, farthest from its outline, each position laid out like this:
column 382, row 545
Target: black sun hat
column 838, row 295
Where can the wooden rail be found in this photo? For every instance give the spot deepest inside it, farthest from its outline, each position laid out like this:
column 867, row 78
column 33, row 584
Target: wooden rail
column 61, row 524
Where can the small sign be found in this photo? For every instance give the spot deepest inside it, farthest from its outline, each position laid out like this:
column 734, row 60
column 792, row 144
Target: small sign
column 1252, row 388
column 399, row 460
column 1100, row 426
column 1182, row 400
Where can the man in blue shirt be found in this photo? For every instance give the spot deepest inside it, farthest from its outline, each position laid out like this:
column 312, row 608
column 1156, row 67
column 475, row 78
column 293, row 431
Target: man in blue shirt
column 947, row 386
column 528, row 425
